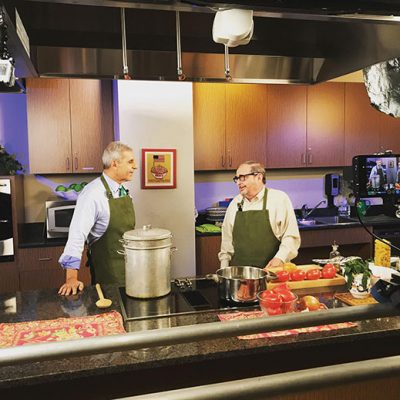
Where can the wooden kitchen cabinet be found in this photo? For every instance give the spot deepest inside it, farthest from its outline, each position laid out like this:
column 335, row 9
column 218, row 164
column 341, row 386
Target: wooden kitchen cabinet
column 362, row 123
column 39, row 268
column 287, row 121
column 246, row 124
column 389, row 133
column 209, row 126
column 325, row 125
column 70, row 121
column 229, row 125
column 207, row 249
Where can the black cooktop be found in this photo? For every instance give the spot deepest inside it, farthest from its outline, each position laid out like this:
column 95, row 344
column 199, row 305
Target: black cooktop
column 187, row 296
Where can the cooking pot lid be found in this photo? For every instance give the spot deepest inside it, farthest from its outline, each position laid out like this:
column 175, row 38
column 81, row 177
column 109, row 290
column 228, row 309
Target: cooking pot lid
column 147, row 233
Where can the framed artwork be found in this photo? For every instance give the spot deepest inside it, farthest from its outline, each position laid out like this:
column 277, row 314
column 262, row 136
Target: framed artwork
column 158, row 168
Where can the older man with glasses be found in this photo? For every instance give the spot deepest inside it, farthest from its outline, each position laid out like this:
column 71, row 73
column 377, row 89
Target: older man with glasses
column 260, row 227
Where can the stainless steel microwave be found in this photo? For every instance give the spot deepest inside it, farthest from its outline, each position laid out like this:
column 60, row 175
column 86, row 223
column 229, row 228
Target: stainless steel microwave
column 58, row 218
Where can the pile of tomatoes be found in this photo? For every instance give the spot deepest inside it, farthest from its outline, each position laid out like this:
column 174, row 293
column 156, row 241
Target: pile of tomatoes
column 327, row 272
column 279, row 300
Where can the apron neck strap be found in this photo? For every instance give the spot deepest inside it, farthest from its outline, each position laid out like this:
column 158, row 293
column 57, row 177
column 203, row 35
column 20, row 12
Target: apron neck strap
column 265, row 199
column 108, row 190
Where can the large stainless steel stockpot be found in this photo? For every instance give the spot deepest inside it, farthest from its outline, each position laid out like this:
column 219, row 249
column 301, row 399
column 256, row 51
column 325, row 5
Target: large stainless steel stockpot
column 241, row 284
column 147, row 254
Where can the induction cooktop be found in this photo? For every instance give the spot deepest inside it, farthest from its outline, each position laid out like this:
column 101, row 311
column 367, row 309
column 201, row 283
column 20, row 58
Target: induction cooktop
column 187, row 296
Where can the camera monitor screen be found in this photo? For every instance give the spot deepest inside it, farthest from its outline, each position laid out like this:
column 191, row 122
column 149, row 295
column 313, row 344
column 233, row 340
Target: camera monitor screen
column 377, row 175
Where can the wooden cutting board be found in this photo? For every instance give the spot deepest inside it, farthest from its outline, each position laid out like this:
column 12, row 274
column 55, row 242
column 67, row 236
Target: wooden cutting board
column 337, row 280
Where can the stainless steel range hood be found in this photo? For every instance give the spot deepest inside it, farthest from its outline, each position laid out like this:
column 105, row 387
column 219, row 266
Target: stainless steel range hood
column 287, row 47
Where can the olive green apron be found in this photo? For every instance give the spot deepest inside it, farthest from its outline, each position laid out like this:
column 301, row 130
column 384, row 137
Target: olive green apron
column 254, row 242
column 381, row 177
column 106, row 265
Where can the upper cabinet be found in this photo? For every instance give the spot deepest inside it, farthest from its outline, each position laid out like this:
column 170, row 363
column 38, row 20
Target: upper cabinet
column 70, row 121
column 229, row 124
column 362, row 123
column 389, row 137
column 209, row 126
column 286, row 137
column 325, row 125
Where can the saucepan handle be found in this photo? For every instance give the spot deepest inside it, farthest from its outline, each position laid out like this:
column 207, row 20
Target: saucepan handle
column 213, row 277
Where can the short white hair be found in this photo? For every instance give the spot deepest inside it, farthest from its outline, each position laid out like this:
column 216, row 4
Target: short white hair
column 113, row 152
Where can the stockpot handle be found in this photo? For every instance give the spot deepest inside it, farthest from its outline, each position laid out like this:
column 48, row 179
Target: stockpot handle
column 121, row 252
column 173, row 249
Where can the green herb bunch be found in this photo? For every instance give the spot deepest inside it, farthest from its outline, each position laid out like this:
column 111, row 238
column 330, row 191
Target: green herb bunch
column 354, row 267
column 8, row 163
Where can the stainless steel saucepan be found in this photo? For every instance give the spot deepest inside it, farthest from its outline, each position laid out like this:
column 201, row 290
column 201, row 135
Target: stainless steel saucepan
column 241, row 284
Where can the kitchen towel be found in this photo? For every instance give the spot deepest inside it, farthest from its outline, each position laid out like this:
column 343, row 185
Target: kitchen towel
column 55, row 330
column 259, row 314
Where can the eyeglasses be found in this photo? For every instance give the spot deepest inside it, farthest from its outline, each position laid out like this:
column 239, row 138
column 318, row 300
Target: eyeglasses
column 242, row 178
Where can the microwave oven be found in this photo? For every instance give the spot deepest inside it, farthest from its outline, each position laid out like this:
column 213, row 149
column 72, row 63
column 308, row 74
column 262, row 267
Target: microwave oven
column 58, row 218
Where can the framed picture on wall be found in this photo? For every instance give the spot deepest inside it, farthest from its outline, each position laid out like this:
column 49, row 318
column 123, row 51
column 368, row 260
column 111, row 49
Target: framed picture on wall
column 158, row 168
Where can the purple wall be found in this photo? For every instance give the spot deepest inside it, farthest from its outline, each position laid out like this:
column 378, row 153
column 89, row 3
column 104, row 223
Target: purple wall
column 13, row 126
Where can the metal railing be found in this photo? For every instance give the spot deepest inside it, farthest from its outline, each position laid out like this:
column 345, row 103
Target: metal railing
column 191, row 333
column 264, row 387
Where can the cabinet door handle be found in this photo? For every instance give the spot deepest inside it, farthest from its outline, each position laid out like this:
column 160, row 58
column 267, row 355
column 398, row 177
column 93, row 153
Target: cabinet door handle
column 45, row 258
column 4, row 221
column 222, row 161
column 76, row 163
column 67, row 163
column 230, row 160
column 309, row 158
column 87, row 168
column 303, row 158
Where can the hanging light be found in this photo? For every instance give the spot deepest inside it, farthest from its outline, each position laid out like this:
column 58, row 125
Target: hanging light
column 233, row 27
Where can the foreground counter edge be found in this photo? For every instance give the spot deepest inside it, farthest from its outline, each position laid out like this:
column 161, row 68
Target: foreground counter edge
column 182, row 365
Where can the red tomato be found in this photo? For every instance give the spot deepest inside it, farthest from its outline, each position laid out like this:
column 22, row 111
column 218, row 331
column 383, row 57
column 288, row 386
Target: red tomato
column 283, row 276
column 313, row 274
column 297, row 275
column 287, row 295
column 329, row 271
column 272, row 300
column 265, row 293
column 274, row 311
column 282, row 286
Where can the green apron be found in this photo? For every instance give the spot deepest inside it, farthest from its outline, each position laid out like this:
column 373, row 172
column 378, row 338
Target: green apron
column 254, row 242
column 106, row 265
column 381, row 176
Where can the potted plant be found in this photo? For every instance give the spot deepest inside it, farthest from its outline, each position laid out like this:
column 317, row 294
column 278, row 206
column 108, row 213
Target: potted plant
column 358, row 277
column 9, row 165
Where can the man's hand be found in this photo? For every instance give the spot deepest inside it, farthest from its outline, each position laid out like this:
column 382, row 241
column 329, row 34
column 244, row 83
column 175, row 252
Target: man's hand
column 71, row 285
column 274, row 263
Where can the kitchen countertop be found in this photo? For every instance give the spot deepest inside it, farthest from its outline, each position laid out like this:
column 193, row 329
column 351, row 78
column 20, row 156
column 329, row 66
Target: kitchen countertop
column 223, row 356
column 34, row 235
column 375, row 221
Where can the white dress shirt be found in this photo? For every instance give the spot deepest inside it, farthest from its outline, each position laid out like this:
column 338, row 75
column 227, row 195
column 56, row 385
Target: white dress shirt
column 90, row 220
column 282, row 218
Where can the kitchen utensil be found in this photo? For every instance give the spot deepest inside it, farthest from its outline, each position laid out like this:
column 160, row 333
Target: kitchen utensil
column 147, row 254
column 102, row 302
column 241, row 284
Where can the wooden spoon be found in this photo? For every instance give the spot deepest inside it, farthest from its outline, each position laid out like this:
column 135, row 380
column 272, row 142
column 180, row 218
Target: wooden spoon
column 102, row 302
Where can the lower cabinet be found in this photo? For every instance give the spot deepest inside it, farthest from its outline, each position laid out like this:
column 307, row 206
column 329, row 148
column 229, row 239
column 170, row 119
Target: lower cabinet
column 314, row 244
column 39, row 268
column 9, row 279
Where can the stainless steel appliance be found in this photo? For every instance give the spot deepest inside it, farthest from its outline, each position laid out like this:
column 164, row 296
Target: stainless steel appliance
column 58, row 217
column 6, row 222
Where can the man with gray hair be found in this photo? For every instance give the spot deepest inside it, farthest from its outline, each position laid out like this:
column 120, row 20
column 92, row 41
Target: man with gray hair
column 260, row 227
column 103, row 212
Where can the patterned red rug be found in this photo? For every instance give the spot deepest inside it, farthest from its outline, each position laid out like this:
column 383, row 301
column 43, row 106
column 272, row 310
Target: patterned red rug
column 54, row 330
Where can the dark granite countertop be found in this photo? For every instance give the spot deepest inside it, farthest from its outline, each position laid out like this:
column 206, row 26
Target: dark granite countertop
column 34, row 235
column 47, row 304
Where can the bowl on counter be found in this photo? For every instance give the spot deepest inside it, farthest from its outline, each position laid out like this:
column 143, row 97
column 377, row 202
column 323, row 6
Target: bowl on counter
column 276, row 306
